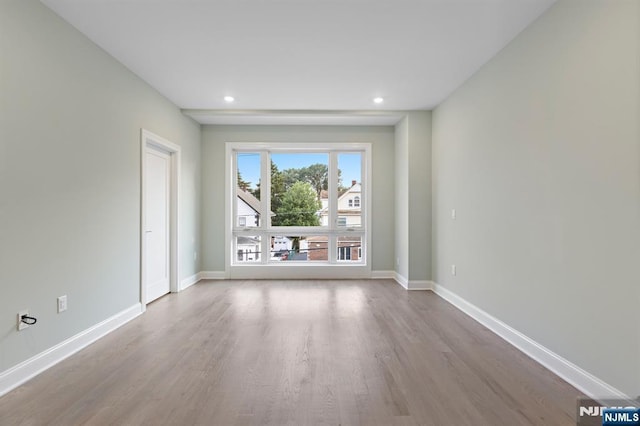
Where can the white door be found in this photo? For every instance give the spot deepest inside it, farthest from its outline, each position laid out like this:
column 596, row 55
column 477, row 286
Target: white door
column 157, row 194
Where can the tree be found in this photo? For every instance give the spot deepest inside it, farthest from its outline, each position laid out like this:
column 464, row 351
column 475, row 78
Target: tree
column 299, row 206
column 341, row 188
column 290, row 176
column 243, row 184
column 277, row 191
column 318, row 176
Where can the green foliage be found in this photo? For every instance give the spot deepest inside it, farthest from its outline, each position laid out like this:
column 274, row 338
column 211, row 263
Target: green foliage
column 300, row 209
column 277, row 191
column 243, row 184
column 298, row 206
column 317, row 175
column 340, row 187
column 291, row 176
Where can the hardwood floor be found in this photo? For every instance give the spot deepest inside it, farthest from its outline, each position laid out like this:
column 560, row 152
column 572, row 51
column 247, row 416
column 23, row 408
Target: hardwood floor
column 296, row 353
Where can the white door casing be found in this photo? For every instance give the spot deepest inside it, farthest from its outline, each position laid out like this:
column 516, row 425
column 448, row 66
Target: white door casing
column 160, row 171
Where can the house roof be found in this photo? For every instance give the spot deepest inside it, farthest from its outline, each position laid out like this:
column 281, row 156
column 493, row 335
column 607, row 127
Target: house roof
column 250, row 200
column 318, row 239
column 349, row 239
column 247, row 241
column 325, row 194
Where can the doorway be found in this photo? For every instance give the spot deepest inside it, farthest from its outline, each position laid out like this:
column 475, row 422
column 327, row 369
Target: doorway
column 159, row 222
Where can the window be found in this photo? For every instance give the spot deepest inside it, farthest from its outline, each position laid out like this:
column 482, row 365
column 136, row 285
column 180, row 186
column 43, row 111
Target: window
column 247, row 248
column 349, row 248
column 294, row 201
column 344, row 253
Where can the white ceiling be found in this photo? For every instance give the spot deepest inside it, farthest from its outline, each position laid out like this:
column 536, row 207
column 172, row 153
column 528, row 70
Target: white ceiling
column 310, row 55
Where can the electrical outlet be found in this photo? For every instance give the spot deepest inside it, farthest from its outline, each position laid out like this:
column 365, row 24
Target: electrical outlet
column 453, row 214
column 453, row 270
column 62, row 303
column 397, row 261
column 21, row 325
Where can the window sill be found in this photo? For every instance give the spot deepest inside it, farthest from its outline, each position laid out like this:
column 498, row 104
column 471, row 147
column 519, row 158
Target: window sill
column 318, row 270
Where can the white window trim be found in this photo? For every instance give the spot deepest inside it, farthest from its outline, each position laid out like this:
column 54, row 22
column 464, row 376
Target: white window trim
column 267, row 269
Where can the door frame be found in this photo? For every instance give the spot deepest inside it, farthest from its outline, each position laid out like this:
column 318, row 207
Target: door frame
column 149, row 139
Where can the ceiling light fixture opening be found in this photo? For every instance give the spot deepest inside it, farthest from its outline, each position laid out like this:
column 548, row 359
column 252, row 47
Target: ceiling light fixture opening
column 229, row 99
column 378, row 100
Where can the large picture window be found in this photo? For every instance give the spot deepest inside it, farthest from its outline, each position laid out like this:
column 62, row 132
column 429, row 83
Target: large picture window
column 295, row 204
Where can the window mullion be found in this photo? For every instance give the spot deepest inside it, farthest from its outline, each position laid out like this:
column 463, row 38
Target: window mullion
column 333, row 205
column 234, row 192
column 265, row 198
column 364, row 181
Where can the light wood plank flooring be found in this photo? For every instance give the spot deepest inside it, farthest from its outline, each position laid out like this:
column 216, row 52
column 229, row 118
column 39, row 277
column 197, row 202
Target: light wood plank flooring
column 296, row 353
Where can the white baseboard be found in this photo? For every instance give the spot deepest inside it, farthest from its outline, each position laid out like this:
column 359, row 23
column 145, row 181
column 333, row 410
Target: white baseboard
column 401, row 280
column 582, row 380
column 383, row 275
column 189, row 281
column 213, row 275
column 420, row 285
column 15, row 376
column 413, row 284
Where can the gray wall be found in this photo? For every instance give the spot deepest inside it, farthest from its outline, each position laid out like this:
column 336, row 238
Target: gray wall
column 539, row 152
column 413, row 196
column 213, row 166
column 70, row 179
column 419, row 195
column 401, row 204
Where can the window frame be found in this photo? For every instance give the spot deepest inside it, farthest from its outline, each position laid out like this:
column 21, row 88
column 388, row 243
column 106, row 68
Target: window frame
column 330, row 268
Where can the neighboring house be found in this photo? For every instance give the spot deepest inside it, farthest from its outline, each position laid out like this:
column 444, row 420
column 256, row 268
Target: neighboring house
column 349, row 248
column 281, row 249
column 349, row 207
column 248, row 216
column 318, row 248
column 281, row 244
column 248, row 211
column 248, row 249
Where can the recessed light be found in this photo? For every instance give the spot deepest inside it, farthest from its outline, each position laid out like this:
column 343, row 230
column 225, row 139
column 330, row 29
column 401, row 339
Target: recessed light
column 378, row 100
column 229, row 99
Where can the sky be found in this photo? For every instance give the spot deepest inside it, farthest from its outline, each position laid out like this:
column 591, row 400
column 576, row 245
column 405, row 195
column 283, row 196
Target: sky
column 348, row 163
